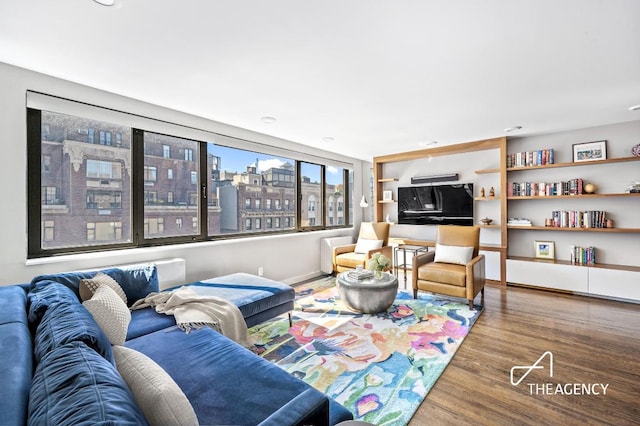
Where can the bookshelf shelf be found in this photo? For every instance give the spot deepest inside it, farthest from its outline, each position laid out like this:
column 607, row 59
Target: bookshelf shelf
column 581, row 163
column 556, row 228
column 487, row 171
column 543, row 197
column 388, row 180
column 495, row 198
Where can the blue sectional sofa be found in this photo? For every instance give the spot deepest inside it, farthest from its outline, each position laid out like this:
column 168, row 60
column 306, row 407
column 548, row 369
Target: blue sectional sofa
column 57, row 366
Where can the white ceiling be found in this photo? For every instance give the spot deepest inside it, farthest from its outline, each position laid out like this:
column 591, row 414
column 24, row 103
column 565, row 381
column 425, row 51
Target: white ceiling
column 378, row 76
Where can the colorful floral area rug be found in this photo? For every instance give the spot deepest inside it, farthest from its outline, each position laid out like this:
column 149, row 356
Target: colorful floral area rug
column 378, row 366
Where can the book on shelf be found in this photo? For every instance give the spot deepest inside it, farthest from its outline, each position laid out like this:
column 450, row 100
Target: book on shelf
column 579, row 219
column 540, row 157
column 518, row 221
column 542, row 189
column 582, row 255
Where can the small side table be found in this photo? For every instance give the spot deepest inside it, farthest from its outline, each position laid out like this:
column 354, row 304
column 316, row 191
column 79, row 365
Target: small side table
column 406, row 248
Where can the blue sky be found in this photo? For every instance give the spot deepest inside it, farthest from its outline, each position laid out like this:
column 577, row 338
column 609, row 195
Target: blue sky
column 236, row 160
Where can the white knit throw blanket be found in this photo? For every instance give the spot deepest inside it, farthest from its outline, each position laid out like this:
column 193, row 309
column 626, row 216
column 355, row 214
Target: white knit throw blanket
column 192, row 310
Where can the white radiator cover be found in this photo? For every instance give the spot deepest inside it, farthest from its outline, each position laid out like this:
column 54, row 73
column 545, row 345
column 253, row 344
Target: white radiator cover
column 326, row 251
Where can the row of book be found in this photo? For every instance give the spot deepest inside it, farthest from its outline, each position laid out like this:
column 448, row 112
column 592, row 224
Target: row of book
column 583, row 255
column 540, row 157
column 542, row 189
column 579, row 219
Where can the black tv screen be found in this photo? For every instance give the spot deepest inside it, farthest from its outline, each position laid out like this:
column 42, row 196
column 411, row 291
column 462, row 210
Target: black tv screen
column 436, row 205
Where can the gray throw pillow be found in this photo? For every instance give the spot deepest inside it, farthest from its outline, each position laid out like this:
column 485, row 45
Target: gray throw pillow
column 159, row 397
column 90, row 285
column 111, row 314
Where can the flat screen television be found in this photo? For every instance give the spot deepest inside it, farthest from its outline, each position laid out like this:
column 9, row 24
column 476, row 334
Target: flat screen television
column 436, row 204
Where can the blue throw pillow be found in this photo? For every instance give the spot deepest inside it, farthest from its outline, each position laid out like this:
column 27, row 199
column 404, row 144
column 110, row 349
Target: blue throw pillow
column 137, row 281
column 63, row 323
column 68, row 279
column 73, row 385
column 43, row 295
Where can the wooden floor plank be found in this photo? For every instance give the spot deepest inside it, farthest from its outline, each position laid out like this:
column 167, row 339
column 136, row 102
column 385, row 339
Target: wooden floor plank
column 592, row 341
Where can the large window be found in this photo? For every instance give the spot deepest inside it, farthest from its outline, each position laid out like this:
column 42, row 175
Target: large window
column 240, row 181
column 82, row 195
column 334, row 193
column 311, row 191
column 96, row 185
column 176, row 196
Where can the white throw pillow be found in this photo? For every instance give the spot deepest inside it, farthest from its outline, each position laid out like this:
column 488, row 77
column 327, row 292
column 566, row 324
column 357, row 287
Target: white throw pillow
column 363, row 246
column 110, row 312
column 90, row 285
column 159, row 397
column 453, row 254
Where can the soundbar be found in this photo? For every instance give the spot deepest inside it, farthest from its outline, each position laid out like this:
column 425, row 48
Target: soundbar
column 434, row 178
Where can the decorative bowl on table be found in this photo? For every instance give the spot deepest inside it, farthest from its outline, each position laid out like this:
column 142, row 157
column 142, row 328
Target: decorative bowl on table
column 486, row 221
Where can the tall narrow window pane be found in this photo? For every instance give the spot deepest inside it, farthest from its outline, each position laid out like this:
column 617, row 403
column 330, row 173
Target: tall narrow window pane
column 334, row 190
column 171, row 186
column 311, row 191
column 86, row 191
column 240, row 181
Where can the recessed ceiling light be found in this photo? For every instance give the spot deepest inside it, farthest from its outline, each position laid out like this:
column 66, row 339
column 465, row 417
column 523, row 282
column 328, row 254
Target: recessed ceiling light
column 106, row 2
column 328, row 139
column 268, row 120
column 430, row 143
column 512, row 129
column 634, row 108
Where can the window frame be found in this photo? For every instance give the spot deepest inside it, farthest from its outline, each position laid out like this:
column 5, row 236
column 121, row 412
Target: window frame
column 137, row 177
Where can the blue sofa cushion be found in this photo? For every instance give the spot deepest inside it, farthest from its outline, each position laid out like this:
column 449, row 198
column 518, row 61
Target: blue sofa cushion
column 73, row 385
column 44, row 294
column 147, row 320
column 236, row 376
column 136, row 280
column 14, row 300
column 63, row 323
column 15, row 369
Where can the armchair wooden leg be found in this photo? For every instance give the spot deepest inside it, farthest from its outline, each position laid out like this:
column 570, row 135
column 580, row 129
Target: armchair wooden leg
column 470, row 303
column 482, row 296
column 415, row 293
column 290, row 320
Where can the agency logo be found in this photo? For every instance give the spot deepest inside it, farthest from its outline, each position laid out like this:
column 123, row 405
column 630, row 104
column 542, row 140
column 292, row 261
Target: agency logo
column 545, row 362
column 529, row 368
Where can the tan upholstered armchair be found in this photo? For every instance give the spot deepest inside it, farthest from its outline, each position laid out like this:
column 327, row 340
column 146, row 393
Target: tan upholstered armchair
column 373, row 238
column 455, row 268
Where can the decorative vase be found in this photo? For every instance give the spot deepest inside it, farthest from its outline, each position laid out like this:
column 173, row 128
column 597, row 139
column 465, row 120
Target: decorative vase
column 378, row 274
column 589, row 188
column 636, row 150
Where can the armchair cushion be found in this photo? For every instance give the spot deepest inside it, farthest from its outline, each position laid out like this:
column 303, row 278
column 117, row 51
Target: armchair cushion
column 364, row 245
column 453, row 254
column 443, row 273
column 351, row 260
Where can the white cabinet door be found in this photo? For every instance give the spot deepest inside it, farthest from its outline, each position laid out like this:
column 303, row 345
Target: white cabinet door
column 614, row 283
column 548, row 275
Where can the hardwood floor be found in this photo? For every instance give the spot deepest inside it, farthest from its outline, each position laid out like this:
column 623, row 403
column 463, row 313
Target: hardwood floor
column 592, row 341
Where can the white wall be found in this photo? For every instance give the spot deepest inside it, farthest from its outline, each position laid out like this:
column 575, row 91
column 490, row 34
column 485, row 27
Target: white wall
column 288, row 258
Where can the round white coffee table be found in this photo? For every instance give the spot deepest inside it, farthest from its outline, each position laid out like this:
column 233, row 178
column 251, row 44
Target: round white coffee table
column 370, row 295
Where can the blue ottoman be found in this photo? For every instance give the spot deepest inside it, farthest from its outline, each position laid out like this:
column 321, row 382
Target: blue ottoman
column 258, row 298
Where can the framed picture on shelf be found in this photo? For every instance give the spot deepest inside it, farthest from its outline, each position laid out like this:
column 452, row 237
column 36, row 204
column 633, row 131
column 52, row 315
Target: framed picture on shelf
column 589, row 151
column 387, row 196
column 544, row 249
